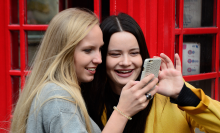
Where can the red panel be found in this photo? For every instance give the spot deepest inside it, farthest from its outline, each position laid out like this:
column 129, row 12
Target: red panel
column 131, row 7
column 200, row 76
column 151, row 27
column 166, row 26
column 117, row 6
column 97, row 7
column 142, row 13
column 200, row 30
column 15, row 72
column 4, row 106
column 161, row 8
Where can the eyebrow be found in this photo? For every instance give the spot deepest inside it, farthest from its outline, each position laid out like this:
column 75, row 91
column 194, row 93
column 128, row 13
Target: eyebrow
column 120, row 50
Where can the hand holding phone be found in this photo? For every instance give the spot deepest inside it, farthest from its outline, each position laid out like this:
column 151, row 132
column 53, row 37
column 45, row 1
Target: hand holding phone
column 151, row 66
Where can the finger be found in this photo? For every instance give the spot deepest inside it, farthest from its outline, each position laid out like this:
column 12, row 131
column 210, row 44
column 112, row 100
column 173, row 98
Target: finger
column 143, row 82
column 130, row 84
column 178, row 62
column 163, row 65
column 149, row 87
column 156, row 57
column 168, row 61
column 153, row 91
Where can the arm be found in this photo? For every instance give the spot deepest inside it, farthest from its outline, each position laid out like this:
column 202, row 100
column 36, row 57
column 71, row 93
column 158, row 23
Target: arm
column 204, row 113
column 132, row 100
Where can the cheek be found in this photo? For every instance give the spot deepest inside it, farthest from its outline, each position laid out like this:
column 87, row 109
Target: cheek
column 138, row 62
column 108, row 64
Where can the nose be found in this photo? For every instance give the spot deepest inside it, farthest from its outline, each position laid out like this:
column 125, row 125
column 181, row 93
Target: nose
column 126, row 61
column 97, row 58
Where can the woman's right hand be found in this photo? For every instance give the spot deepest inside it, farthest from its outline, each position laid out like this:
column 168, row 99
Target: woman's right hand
column 133, row 96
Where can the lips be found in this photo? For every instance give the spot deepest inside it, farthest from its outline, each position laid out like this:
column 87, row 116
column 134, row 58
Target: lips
column 91, row 70
column 124, row 72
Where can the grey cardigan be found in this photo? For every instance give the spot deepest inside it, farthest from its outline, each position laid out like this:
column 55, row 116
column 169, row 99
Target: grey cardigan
column 54, row 115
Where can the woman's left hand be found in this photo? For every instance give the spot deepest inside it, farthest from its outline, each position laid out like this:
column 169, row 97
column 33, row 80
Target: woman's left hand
column 170, row 78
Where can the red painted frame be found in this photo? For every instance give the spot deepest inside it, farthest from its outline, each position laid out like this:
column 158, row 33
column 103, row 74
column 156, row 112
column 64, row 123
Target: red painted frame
column 156, row 18
column 6, row 70
column 206, row 30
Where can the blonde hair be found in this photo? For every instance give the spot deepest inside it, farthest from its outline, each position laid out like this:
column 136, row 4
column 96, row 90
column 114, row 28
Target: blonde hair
column 54, row 63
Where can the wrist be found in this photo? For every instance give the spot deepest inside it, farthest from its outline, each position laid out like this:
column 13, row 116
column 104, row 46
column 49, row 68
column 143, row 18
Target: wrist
column 178, row 91
column 121, row 112
column 120, row 117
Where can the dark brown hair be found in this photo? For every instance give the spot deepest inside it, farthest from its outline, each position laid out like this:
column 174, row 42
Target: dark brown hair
column 98, row 94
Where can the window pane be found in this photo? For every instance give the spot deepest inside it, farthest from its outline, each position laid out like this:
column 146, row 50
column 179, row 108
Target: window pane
column 199, row 13
column 15, row 50
column 105, row 9
column 34, row 38
column 16, row 88
column 206, row 85
column 14, row 18
column 41, row 11
column 198, row 54
column 89, row 4
column 177, row 13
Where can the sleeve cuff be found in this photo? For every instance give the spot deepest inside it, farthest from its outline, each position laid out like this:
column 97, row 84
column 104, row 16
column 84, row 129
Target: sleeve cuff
column 186, row 98
column 202, row 106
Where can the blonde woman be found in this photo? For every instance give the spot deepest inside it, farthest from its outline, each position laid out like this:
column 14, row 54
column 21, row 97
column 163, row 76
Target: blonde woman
column 51, row 101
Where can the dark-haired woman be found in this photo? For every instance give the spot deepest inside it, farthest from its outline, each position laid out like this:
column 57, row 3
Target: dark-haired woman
column 177, row 107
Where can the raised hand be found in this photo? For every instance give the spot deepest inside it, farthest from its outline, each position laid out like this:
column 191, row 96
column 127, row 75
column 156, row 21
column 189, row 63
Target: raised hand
column 170, row 77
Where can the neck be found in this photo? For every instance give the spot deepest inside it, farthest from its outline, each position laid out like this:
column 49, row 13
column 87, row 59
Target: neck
column 116, row 88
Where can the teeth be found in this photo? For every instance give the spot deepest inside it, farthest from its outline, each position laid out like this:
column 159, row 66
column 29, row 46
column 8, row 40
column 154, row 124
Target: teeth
column 125, row 71
column 91, row 69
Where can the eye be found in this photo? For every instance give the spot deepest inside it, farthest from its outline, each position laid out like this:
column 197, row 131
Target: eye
column 87, row 50
column 114, row 54
column 135, row 53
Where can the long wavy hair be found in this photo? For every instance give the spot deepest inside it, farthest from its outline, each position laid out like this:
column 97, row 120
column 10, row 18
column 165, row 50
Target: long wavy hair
column 54, row 63
column 100, row 96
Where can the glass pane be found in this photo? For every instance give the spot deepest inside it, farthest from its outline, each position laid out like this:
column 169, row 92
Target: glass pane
column 14, row 19
column 198, row 54
column 206, row 85
column 199, row 13
column 34, row 38
column 105, row 9
column 89, row 4
column 15, row 50
column 16, row 88
column 176, row 13
column 41, row 11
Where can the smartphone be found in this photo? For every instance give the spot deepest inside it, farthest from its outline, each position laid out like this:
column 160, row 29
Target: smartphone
column 151, row 66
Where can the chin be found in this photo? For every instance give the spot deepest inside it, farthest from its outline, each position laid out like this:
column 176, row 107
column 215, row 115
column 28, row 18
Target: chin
column 85, row 79
column 88, row 79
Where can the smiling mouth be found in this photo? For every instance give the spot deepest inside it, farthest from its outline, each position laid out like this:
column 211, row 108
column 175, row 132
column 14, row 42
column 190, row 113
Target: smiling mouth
column 124, row 71
column 90, row 69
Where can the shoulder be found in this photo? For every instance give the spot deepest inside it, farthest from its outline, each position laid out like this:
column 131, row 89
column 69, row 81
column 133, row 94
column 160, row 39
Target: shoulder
column 53, row 97
column 53, row 103
column 52, row 89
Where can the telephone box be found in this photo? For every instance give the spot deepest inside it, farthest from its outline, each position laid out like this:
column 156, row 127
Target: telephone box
column 190, row 28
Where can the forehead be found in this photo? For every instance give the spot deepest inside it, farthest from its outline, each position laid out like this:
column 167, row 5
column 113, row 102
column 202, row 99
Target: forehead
column 94, row 37
column 123, row 40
